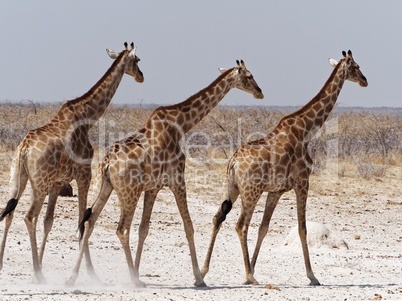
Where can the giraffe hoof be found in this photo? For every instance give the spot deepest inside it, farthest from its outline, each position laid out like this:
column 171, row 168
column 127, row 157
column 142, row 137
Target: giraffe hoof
column 202, row 284
column 315, row 283
column 70, row 282
column 251, row 282
column 139, row 284
column 39, row 279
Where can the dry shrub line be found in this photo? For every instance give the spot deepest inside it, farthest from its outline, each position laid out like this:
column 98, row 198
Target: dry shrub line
column 370, row 141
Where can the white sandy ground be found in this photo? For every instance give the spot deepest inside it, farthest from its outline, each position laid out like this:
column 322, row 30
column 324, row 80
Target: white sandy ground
column 366, row 214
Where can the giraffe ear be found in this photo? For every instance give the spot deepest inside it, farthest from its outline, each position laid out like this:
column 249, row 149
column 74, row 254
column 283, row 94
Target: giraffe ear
column 132, row 52
column 333, row 62
column 222, row 70
column 113, row 54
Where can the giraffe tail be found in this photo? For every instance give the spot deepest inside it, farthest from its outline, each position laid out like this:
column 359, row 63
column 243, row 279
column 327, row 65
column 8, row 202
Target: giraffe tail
column 104, row 190
column 11, row 204
column 81, row 226
column 224, row 210
column 18, row 181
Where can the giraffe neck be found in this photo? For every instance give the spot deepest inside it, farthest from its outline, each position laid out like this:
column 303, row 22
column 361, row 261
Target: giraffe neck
column 88, row 108
column 310, row 118
column 190, row 112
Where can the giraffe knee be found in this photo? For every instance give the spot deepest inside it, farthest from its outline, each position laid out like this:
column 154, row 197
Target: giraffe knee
column 29, row 219
column 123, row 233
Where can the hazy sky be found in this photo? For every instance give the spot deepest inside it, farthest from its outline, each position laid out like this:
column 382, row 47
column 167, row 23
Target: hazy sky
column 54, row 51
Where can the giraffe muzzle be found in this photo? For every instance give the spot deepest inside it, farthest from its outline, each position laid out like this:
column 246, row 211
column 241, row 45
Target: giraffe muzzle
column 363, row 82
column 258, row 94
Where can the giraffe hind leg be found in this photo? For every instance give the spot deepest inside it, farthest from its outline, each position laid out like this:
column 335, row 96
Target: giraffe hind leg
column 81, row 231
column 8, row 214
column 149, row 200
column 219, row 217
column 90, row 216
column 49, row 217
column 8, row 221
column 19, row 181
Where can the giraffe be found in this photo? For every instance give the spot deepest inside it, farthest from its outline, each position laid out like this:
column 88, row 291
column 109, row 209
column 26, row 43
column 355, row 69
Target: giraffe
column 152, row 158
column 278, row 163
column 60, row 152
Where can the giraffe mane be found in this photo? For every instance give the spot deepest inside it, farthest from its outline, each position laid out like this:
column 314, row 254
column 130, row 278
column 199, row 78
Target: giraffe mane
column 98, row 83
column 194, row 96
column 315, row 98
column 302, row 109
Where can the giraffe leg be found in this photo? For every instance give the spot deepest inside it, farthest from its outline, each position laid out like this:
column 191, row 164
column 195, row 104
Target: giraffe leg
column 242, row 229
column 149, row 200
column 219, row 217
column 301, row 195
column 49, row 217
column 179, row 192
column 247, row 209
column 128, row 206
column 87, row 225
column 31, row 220
column 8, row 221
column 18, row 182
column 83, row 183
column 272, row 201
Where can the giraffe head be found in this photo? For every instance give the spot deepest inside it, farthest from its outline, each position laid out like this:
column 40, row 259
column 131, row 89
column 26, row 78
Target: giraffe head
column 352, row 69
column 245, row 80
column 131, row 67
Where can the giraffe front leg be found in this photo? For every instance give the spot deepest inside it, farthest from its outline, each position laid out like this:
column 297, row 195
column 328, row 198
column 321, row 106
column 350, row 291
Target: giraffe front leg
column 301, row 195
column 31, row 220
column 179, row 192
